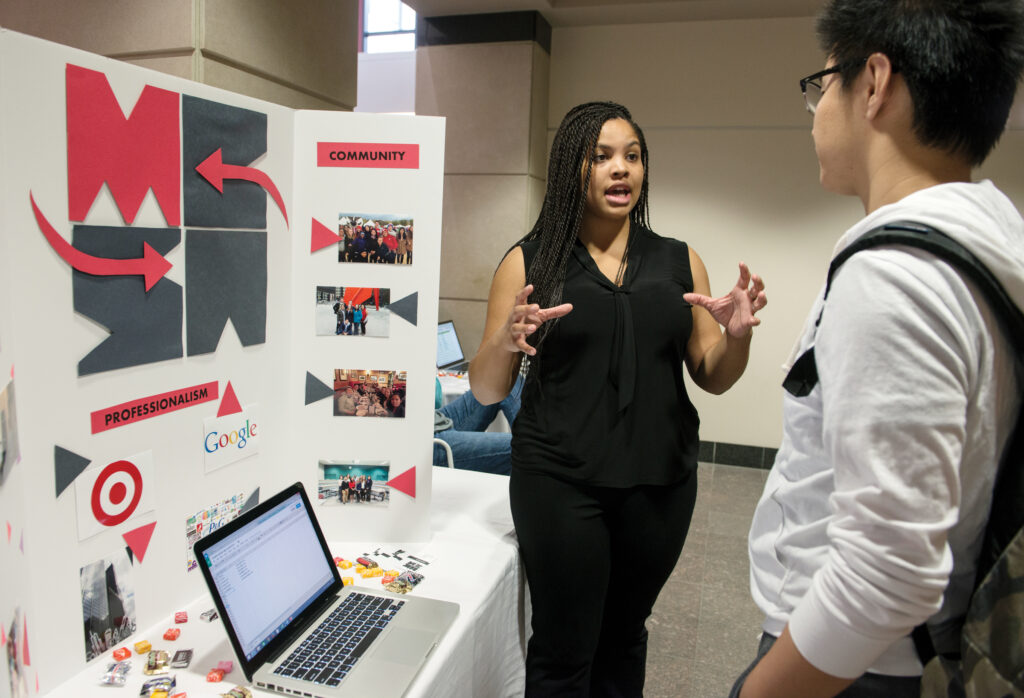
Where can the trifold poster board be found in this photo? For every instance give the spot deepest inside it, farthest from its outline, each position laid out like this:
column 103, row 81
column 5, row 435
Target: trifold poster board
column 203, row 297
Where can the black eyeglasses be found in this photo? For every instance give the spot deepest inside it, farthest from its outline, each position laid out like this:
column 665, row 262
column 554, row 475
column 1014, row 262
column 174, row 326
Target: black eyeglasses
column 812, row 88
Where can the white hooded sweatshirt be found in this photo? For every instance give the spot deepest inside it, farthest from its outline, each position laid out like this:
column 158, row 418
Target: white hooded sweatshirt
column 881, row 487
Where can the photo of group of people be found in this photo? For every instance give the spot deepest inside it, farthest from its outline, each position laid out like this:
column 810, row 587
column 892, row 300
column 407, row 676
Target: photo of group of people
column 375, row 238
column 359, row 393
column 353, row 482
column 350, row 311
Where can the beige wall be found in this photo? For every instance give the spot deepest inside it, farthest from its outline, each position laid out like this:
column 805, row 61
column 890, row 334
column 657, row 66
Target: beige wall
column 494, row 98
column 733, row 171
column 299, row 53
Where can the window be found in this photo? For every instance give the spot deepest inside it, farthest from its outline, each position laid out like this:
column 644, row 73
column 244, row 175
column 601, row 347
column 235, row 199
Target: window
column 388, row 25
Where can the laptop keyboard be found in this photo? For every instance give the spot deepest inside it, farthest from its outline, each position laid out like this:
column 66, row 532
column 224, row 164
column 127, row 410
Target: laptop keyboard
column 332, row 649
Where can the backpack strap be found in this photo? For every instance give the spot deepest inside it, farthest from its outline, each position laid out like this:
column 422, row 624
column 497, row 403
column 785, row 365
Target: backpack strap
column 1006, row 516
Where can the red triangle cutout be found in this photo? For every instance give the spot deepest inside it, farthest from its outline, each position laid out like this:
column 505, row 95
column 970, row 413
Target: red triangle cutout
column 138, row 540
column 322, row 237
column 24, row 642
column 8, row 531
column 406, row 482
column 229, row 403
column 3, row 636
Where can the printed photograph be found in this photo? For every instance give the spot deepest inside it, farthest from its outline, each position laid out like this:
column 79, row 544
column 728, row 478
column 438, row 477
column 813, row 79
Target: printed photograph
column 9, row 451
column 375, row 238
column 353, row 312
column 108, row 603
column 16, row 657
column 359, row 393
column 359, row 483
column 207, row 520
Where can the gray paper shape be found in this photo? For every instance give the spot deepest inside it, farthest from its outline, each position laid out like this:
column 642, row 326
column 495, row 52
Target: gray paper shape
column 241, row 134
column 316, row 389
column 226, row 277
column 405, row 308
column 250, row 501
column 67, row 465
column 145, row 327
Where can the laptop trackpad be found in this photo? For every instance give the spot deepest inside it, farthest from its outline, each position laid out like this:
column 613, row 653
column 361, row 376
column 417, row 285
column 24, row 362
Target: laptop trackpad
column 405, row 646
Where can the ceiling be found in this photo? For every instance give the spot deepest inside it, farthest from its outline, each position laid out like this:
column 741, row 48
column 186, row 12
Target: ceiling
column 563, row 13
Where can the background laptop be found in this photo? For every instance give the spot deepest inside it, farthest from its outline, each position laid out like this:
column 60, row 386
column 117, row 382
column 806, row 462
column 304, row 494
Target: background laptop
column 450, row 356
column 274, row 582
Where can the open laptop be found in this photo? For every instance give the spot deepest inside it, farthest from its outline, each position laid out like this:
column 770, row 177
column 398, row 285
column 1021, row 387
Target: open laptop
column 450, row 356
column 275, row 585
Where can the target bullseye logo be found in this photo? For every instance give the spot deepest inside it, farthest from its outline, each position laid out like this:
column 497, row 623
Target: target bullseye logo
column 116, row 493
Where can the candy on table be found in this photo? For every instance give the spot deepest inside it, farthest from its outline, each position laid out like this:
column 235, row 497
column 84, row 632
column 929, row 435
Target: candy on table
column 226, row 666
column 348, row 581
column 338, row 560
column 215, row 675
column 238, row 692
column 181, row 617
column 142, row 647
column 360, row 569
column 393, row 573
column 345, row 564
column 387, row 579
column 122, row 653
column 172, row 633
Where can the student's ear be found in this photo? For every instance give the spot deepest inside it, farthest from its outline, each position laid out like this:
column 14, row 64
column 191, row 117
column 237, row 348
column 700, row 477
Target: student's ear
column 878, row 74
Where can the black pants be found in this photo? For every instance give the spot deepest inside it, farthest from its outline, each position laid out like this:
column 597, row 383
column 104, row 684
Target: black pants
column 595, row 559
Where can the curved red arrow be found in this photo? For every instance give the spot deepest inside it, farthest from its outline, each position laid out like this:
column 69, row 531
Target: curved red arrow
column 152, row 265
column 214, row 171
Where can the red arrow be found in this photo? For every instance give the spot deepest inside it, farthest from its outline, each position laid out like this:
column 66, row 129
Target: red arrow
column 151, row 265
column 322, row 236
column 214, row 171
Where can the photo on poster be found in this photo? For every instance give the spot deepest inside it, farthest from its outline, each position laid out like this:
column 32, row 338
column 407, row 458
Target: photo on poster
column 207, row 520
column 9, row 449
column 353, row 312
column 375, row 238
column 362, row 483
column 361, row 393
column 108, row 603
column 16, row 671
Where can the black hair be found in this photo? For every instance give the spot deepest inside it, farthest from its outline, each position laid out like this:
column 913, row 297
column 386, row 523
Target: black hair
column 565, row 199
column 961, row 61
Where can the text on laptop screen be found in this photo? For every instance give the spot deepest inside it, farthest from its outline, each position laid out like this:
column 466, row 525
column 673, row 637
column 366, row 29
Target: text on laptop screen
column 269, row 571
column 449, row 351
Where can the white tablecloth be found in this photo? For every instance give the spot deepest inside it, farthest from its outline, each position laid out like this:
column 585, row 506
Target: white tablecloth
column 474, row 562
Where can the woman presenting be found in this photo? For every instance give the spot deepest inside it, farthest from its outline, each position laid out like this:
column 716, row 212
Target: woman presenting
column 604, row 449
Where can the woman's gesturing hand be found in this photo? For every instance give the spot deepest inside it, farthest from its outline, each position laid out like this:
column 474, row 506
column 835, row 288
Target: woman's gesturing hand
column 736, row 310
column 525, row 319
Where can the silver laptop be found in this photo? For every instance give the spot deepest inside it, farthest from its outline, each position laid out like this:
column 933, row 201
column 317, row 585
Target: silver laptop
column 450, row 356
column 295, row 628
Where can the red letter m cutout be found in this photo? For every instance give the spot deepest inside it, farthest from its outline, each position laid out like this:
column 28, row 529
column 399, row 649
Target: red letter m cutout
column 129, row 154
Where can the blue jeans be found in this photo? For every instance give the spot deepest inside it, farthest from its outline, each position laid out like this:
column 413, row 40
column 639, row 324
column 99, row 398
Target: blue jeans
column 472, row 447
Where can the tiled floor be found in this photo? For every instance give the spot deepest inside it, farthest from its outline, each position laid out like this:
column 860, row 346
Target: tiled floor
column 704, row 628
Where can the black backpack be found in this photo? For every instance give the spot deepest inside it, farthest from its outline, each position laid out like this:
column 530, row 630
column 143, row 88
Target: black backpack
column 989, row 662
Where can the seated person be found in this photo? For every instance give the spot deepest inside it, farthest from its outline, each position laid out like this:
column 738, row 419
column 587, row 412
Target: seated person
column 461, row 424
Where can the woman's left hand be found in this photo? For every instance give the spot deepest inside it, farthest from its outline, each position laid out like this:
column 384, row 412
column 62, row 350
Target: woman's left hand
column 736, row 310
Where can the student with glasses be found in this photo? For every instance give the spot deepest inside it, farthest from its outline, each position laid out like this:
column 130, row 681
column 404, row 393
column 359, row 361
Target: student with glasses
column 872, row 515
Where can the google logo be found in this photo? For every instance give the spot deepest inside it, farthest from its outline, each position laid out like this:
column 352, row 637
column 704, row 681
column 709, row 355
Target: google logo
column 239, row 437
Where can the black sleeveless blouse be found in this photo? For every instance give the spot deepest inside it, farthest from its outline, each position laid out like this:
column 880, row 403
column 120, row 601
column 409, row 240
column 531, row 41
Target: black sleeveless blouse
column 609, row 406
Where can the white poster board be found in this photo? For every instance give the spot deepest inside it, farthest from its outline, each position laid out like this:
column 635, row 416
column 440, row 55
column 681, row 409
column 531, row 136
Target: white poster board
column 161, row 247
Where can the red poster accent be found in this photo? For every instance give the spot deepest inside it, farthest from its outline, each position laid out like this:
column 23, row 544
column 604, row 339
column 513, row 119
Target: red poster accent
column 229, row 404
column 130, row 154
column 138, row 540
column 406, row 482
column 154, row 406
column 215, row 171
column 322, row 236
column 388, row 155
column 151, row 266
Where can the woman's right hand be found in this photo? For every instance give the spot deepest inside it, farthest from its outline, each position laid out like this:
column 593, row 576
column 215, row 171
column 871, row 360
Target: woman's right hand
column 525, row 319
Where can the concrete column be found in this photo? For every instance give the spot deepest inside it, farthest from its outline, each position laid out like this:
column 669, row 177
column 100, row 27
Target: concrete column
column 488, row 75
column 299, row 53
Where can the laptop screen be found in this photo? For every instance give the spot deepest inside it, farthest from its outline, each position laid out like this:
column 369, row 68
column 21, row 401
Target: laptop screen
column 449, row 351
column 268, row 571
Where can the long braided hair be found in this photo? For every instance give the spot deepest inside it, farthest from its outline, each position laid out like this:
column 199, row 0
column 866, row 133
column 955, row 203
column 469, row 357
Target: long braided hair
column 565, row 198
